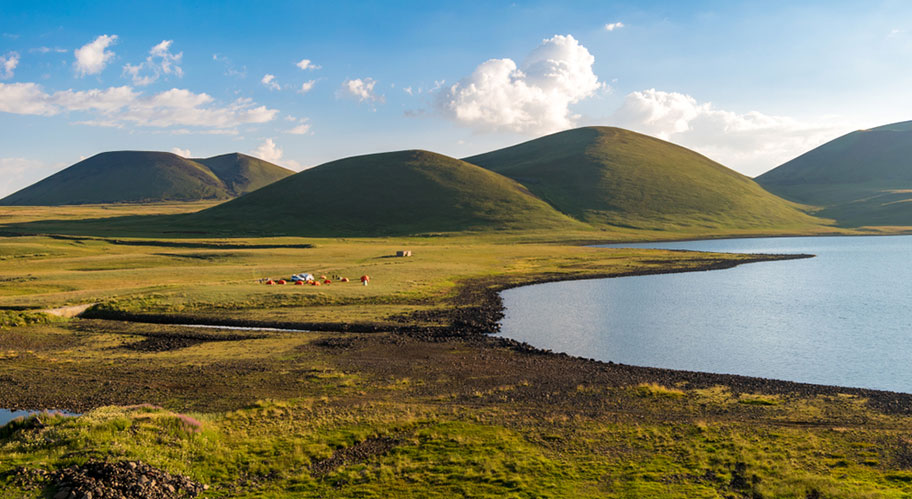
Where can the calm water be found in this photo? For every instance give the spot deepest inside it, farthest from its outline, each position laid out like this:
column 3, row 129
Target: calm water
column 842, row 318
column 7, row 415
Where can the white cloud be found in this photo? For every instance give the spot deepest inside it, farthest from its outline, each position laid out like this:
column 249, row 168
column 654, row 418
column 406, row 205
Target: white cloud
column 750, row 142
column 302, row 129
column 307, row 86
column 532, row 98
column 8, row 64
column 363, row 90
column 268, row 151
column 117, row 106
column 306, row 64
column 184, row 153
column 269, row 82
column 614, row 26
column 159, row 62
column 26, row 98
column 92, row 57
column 407, row 90
column 45, row 50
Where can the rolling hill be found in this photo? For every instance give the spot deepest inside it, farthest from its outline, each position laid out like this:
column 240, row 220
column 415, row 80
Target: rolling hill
column 395, row 193
column 861, row 178
column 611, row 176
column 145, row 176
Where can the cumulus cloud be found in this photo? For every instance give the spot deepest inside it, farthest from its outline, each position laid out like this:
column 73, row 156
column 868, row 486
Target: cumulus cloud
column 614, row 26
column 92, row 57
column 268, row 151
column 269, row 82
column 307, row 86
column 363, row 90
column 117, row 106
column 184, row 153
column 533, row 97
column 750, row 142
column 306, row 64
column 302, row 129
column 161, row 61
column 8, row 64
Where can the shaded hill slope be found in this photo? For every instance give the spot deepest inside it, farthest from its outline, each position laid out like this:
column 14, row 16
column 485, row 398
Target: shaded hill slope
column 396, row 193
column 861, row 178
column 148, row 176
column 612, row 176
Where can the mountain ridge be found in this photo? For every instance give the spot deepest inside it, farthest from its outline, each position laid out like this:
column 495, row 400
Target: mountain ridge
column 148, row 176
column 859, row 178
column 609, row 176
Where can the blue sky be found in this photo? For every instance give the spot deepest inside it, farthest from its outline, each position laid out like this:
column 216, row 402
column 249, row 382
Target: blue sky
column 750, row 84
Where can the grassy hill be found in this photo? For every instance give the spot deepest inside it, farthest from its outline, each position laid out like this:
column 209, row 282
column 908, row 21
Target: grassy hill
column 861, row 178
column 611, row 176
column 145, row 176
column 396, row 193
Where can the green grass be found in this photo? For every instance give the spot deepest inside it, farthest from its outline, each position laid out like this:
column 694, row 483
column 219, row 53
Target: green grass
column 861, row 178
column 610, row 176
column 144, row 176
column 399, row 193
column 468, row 418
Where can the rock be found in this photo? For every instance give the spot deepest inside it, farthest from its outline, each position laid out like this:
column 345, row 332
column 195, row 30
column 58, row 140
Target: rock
column 121, row 480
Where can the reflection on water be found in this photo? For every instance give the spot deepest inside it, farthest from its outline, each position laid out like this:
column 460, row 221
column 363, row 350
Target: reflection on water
column 842, row 318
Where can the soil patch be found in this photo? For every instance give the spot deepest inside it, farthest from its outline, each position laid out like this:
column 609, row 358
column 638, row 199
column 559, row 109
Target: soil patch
column 354, row 454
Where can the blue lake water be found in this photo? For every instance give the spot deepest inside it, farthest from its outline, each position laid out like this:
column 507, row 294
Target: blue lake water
column 7, row 415
column 841, row 318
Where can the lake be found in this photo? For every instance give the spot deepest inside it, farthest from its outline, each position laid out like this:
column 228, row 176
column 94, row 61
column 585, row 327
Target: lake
column 841, row 318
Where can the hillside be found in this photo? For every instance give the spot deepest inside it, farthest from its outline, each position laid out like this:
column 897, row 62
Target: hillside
column 396, row 193
column 861, row 178
column 611, row 176
column 146, row 176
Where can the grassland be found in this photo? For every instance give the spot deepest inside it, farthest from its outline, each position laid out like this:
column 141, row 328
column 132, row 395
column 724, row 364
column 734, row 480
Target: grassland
column 149, row 176
column 861, row 178
column 615, row 177
column 423, row 406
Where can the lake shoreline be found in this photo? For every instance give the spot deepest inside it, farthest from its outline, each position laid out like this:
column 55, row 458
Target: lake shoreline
column 478, row 307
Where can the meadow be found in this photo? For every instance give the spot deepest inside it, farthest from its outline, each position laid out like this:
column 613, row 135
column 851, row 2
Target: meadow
column 396, row 391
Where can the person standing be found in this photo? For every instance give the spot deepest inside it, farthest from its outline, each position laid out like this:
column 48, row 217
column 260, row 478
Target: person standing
column 365, row 279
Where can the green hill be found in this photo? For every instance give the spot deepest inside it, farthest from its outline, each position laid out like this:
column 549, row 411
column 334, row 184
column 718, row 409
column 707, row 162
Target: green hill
column 396, row 193
column 861, row 178
column 145, row 176
column 611, row 176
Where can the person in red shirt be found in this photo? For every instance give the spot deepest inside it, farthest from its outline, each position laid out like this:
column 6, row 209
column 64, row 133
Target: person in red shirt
column 365, row 279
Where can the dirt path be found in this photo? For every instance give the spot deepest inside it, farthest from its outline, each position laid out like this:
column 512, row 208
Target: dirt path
column 69, row 311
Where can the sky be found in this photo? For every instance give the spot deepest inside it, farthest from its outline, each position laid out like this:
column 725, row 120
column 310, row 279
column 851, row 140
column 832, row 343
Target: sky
column 748, row 84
